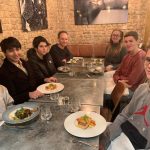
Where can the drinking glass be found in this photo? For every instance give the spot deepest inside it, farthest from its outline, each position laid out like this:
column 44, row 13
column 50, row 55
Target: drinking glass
column 74, row 106
column 46, row 113
column 54, row 96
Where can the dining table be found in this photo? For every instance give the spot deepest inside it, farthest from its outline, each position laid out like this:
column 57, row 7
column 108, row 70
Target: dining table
column 40, row 134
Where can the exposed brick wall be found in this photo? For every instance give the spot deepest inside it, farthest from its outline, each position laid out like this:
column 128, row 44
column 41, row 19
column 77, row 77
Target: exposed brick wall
column 61, row 17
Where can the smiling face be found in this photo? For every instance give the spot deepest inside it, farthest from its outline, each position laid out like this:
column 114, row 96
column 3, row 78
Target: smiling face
column 63, row 40
column 116, row 37
column 42, row 48
column 13, row 55
column 131, row 44
column 147, row 64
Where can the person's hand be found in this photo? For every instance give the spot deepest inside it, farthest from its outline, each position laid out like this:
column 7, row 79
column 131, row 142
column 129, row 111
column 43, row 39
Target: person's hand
column 35, row 94
column 109, row 68
column 125, row 83
column 64, row 61
column 50, row 79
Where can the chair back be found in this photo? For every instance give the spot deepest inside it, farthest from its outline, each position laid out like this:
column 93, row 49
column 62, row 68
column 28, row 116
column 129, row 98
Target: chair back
column 116, row 94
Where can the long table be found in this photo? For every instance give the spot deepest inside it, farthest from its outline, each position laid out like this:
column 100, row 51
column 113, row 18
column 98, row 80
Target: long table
column 51, row 135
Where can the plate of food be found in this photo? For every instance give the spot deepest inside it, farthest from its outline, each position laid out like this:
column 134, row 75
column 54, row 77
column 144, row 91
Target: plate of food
column 63, row 69
column 85, row 124
column 21, row 113
column 96, row 70
column 49, row 88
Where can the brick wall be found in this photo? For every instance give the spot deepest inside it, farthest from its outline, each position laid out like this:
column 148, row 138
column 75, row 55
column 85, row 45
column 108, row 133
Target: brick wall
column 61, row 17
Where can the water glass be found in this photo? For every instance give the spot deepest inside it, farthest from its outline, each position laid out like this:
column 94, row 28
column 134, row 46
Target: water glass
column 54, row 96
column 74, row 106
column 46, row 113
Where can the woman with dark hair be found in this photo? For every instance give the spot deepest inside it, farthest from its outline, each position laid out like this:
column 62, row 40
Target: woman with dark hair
column 114, row 51
column 41, row 61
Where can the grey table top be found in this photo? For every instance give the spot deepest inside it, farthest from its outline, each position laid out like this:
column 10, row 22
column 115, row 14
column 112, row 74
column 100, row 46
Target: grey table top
column 43, row 135
column 51, row 135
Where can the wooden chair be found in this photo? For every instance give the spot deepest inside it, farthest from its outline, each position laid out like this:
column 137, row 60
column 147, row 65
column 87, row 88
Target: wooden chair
column 116, row 95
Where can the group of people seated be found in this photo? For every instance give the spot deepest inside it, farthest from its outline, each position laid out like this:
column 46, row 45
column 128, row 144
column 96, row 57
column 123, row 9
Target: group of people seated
column 21, row 77
column 123, row 55
column 130, row 130
column 126, row 59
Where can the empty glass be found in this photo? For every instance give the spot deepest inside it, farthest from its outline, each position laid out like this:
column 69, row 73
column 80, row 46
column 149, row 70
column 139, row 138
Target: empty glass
column 74, row 106
column 45, row 112
column 54, row 96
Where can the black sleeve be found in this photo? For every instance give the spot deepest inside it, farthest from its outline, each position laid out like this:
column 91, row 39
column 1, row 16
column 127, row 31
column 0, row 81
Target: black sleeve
column 8, row 83
column 39, row 76
column 68, row 54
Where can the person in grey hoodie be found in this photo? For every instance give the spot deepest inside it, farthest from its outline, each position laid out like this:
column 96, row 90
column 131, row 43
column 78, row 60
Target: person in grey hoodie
column 133, row 123
column 41, row 61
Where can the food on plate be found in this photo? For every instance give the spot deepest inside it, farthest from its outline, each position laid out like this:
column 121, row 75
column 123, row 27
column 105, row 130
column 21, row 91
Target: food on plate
column 22, row 113
column 64, row 69
column 73, row 61
column 85, row 122
column 51, row 86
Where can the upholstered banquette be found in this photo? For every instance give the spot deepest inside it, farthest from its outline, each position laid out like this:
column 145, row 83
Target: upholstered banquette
column 88, row 50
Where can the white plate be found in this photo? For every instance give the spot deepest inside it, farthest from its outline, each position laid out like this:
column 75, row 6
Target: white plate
column 63, row 69
column 42, row 89
column 70, row 126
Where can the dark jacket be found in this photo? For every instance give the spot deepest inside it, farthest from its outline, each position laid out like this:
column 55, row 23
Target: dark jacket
column 17, row 82
column 42, row 68
column 59, row 54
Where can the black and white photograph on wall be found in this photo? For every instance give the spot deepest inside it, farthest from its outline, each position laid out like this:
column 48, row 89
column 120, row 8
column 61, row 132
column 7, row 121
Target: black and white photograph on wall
column 33, row 15
column 89, row 12
column 0, row 27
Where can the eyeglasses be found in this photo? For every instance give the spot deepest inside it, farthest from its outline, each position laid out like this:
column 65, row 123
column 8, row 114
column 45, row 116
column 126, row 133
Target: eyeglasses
column 116, row 35
column 147, row 60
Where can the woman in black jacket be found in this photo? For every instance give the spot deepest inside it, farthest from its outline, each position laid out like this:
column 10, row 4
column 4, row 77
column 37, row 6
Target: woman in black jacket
column 41, row 61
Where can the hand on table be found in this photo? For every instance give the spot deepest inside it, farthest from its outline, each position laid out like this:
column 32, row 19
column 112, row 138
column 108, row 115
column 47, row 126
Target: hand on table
column 125, row 83
column 35, row 94
column 50, row 79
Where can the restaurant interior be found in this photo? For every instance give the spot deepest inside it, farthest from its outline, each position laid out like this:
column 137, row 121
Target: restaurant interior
column 78, row 93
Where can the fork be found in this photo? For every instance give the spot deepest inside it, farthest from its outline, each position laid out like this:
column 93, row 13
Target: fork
column 91, row 145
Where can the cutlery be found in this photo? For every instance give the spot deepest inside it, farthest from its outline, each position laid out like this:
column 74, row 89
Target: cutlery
column 90, row 104
column 82, row 142
column 88, row 75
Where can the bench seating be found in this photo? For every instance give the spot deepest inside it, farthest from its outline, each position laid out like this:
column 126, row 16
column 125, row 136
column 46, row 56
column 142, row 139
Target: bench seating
column 88, row 50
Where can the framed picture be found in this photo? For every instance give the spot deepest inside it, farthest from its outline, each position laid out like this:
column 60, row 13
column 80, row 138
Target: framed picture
column 33, row 15
column 100, row 11
column 1, row 27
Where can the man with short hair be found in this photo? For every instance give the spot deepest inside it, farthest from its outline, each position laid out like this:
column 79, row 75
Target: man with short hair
column 59, row 52
column 131, row 128
column 16, row 74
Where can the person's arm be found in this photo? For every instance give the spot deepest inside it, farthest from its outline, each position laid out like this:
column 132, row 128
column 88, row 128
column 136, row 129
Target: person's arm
column 114, row 129
column 137, row 71
column 37, row 72
column 68, row 54
column 8, row 83
column 7, row 98
column 55, row 56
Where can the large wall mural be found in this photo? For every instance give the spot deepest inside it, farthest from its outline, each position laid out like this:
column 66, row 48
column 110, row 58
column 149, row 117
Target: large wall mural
column 33, row 15
column 100, row 11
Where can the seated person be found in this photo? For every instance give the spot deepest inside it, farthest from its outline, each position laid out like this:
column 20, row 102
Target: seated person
column 59, row 52
column 41, row 61
column 5, row 100
column 131, row 71
column 16, row 74
column 130, row 130
column 114, row 51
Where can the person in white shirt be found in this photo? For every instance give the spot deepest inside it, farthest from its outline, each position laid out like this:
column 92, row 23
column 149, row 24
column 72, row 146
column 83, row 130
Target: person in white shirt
column 5, row 100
